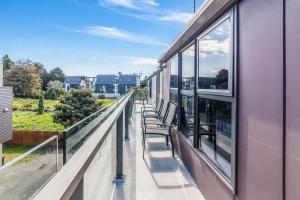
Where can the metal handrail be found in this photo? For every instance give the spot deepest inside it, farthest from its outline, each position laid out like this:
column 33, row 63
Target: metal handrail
column 31, row 151
column 65, row 182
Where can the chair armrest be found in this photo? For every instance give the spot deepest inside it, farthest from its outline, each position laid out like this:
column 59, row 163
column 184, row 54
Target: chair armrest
column 159, row 124
column 150, row 111
column 152, row 116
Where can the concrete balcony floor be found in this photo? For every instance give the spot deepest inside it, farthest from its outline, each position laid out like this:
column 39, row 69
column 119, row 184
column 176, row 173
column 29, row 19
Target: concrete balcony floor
column 159, row 176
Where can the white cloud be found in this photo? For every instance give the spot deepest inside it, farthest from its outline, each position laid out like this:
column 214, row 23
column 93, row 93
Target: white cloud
column 151, row 2
column 118, row 34
column 120, row 3
column 181, row 17
column 147, row 10
column 133, row 4
column 132, row 60
column 214, row 46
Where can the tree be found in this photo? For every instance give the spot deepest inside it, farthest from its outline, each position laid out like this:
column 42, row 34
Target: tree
column 41, row 105
column 143, row 83
column 18, row 78
column 75, row 106
column 26, row 82
column 57, row 74
column 54, row 90
column 7, row 62
column 44, row 74
column 222, row 79
column 35, row 82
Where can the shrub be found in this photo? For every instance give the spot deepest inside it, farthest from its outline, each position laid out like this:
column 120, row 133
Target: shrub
column 41, row 105
column 75, row 106
column 54, row 90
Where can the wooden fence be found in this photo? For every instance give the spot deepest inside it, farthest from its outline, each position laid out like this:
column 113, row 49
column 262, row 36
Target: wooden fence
column 30, row 138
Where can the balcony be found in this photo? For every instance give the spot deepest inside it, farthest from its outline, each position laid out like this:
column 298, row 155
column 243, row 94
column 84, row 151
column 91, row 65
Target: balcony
column 103, row 160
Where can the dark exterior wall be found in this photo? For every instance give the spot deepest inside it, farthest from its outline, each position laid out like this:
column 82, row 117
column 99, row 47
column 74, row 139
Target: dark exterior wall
column 122, row 88
column 292, row 100
column 109, row 88
column 260, row 123
column 209, row 184
column 74, row 86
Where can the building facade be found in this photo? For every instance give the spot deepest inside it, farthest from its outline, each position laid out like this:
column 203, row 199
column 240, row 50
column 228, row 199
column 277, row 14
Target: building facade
column 74, row 82
column 233, row 73
column 107, row 85
column 6, row 97
column 127, row 81
column 112, row 85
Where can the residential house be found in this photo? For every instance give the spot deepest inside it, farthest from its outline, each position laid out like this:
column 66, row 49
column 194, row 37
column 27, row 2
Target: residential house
column 74, row 82
column 107, row 84
column 127, row 81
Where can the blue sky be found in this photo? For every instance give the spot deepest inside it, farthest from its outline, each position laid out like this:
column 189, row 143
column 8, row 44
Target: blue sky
column 89, row 37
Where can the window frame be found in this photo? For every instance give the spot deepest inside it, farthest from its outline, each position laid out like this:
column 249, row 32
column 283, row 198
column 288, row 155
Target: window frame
column 184, row 92
column 174, row 91
column 181, row 52
column 227, row 96
column 229, row 91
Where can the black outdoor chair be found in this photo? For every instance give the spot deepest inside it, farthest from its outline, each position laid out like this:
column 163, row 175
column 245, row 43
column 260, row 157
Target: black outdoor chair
column 161, row 127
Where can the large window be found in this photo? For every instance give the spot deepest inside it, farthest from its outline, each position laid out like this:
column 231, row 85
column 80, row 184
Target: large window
column 215, row 70
column 187, row 116
column 187, row 92
column 174, row 79
column 188, row 63
column 216, row 101
column 215, row 127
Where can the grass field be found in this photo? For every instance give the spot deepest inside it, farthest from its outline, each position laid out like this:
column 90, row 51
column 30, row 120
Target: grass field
column 31, row 121
column 11, row 152
column 106, row 102
column 25, row 117
column 32, row 104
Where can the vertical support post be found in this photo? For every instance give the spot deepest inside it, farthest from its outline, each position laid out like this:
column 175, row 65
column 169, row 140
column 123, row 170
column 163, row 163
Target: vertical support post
column 119, row 171
column 57, row 153
column 179, row 91
column 64, row 147
column 196, row 103
column 127, row 115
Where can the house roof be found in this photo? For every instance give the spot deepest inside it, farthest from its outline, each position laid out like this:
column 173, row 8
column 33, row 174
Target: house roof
column 106, row 79
column 128, row 79
column 73, row 79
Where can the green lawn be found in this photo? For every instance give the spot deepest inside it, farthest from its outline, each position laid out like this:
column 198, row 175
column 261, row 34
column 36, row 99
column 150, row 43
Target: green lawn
column 25, row 117
column 106, row 102
column 32, row 104
column 31, row 121
column 11, row 152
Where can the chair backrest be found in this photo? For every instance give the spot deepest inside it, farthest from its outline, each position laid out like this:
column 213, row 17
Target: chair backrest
column 171, row 114
column 159, row 105
column 164, row 109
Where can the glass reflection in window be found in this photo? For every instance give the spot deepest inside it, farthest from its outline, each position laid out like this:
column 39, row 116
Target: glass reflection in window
column 174, row 72
column 215, row 124
column 214, row 58
column 187, row 116
column 188, row 64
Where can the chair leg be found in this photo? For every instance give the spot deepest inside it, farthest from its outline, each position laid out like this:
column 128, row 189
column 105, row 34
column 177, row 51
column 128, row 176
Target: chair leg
column 167, row 140
column 173, row 151
column 144, row 144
